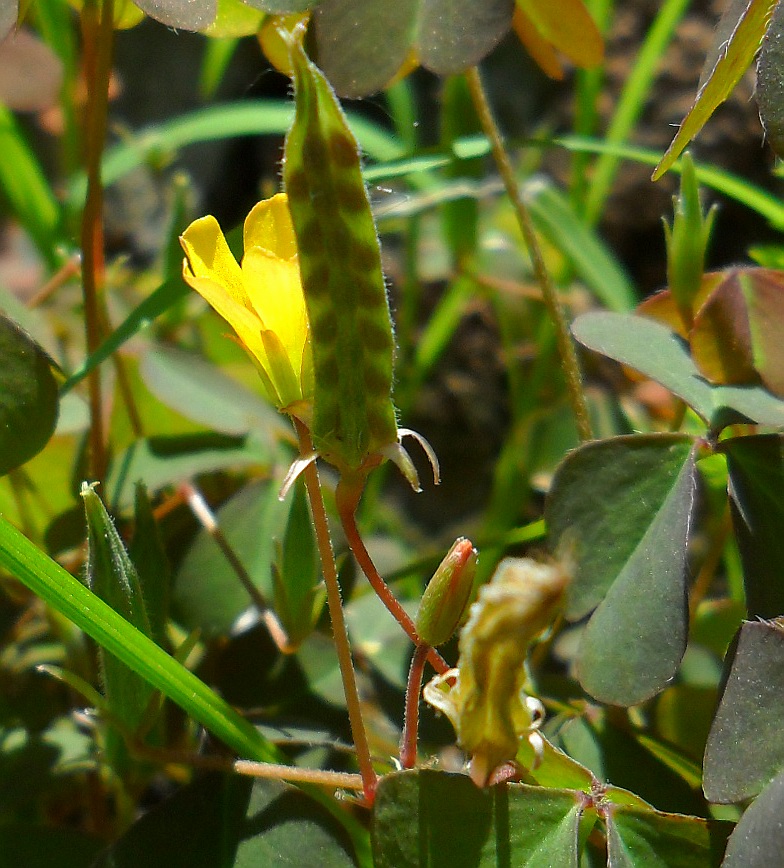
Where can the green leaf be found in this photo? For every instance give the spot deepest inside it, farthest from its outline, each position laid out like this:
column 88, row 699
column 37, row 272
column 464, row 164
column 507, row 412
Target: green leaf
column 770, row 81
column 687, row 239
column 745, row 750
column 183, row 14
column 623, row 506
column 222, row 821
column 148, row 556
column 429, row 819
column 659, row 353
column 207, row 592
column 299, row 595
column 28, row 397
column 112, row 577
column 163, row 461
column 758, row 839
column 77, row 603
column 737, row 40
column 649, row 839
column 650, row 348
column 362, row 45
column 459, row 218
column 756, row 486
column 202, row 392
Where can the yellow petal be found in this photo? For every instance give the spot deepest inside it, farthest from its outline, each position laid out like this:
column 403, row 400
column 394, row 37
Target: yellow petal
column 209, row 257
column 275, row 292
column 280, row 370
column 244, row 322
column 269, row 226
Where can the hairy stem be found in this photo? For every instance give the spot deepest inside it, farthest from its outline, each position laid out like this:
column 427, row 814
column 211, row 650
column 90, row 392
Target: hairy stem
column 569, row 363
column 408, row 743
column 347, row 504
column 339, row 631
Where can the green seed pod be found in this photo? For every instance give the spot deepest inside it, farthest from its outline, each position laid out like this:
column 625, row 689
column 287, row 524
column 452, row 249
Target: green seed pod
column 446, row 597
column 340, row 263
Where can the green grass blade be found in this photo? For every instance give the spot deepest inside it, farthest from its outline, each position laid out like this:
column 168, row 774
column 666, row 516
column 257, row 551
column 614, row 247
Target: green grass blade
column 48, row 580
column 249, row 118
column 764, row 203
column 166, row 295
column 635, row 93
column 556, row 220
column 24, row 186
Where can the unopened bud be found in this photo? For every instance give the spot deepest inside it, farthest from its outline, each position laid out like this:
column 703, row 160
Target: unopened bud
column 446, row 598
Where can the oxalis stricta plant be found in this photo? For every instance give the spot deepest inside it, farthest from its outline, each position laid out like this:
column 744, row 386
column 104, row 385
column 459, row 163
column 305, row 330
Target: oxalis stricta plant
column 584, row 691
column 309, row 304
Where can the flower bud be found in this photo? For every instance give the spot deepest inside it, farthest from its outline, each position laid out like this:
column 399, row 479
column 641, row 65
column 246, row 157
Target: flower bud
column 446, row 597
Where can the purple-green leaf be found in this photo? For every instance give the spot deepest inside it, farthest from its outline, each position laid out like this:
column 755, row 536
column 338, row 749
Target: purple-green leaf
column 434, row 818
column 650, row 839
column 622, row 508
column 756, row 487
column 758, row 839
column 745, row 749
column 183, row 14
column 362, row 44
column 770, row 81
column 660, row 353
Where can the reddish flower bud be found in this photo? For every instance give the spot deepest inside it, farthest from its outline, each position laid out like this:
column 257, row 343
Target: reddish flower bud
column 446, row 597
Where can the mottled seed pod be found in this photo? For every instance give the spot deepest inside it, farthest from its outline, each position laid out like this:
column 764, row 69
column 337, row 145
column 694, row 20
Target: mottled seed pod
column 340, row 263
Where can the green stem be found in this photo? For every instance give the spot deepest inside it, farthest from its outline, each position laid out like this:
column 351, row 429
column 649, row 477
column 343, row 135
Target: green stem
column 408, row 743
column 339, row 631
column 569, row 363
column 346, row 500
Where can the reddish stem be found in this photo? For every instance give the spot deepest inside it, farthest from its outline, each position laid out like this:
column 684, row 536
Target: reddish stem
column 98, row 34
column 408, row 743
column 334, row 603
column 346, row 500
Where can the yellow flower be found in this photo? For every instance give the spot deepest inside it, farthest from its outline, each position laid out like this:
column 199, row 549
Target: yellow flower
column 262, row 299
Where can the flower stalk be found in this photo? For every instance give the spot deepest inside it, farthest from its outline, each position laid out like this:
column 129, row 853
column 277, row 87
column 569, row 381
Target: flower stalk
column 334, row 603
